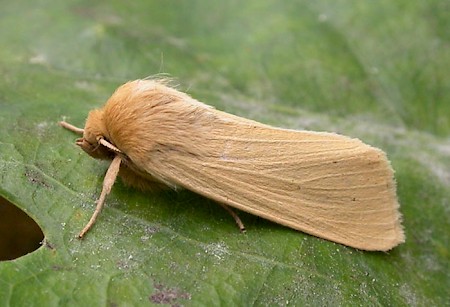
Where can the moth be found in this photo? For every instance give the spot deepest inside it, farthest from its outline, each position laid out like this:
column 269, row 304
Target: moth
column 327, row 185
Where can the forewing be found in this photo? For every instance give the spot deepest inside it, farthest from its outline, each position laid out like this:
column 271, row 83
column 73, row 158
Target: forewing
column 324, row 184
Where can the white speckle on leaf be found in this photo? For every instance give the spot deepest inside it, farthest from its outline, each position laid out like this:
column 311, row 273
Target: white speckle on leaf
column 86, row 86
column 38, row 59
column 374, row 70
column 218, row 250
column 434, row 165
column 323, row 17
column 408, row 294
column 444, row 149
column 42, row 127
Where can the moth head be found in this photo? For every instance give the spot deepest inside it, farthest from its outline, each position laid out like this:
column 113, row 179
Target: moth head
column 94, row 132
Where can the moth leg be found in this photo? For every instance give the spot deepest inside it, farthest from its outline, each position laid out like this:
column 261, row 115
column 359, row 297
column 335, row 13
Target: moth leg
column 108, row 182
column 71, row 127
column 234, row 215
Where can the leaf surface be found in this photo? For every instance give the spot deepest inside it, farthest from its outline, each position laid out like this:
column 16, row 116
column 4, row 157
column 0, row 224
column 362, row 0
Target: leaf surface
column 376, row 71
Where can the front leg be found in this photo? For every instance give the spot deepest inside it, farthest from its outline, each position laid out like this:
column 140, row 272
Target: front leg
column 108, row 182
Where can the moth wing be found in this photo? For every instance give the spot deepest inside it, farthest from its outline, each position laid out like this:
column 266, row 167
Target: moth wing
column 324, row 184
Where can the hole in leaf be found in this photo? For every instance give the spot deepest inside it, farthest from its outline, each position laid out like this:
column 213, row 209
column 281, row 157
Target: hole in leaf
column 19, row 233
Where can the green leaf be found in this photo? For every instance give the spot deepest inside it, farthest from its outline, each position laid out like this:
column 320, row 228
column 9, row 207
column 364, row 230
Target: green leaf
column 373, row 70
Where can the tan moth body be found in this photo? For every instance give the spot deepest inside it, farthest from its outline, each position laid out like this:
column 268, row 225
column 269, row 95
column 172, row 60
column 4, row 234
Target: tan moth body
column 331, row 186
